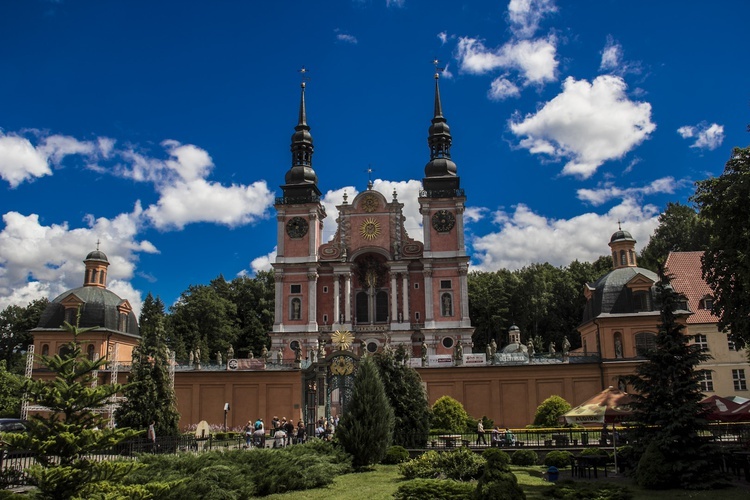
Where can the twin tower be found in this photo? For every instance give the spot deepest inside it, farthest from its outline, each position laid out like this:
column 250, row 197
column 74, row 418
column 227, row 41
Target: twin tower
column 371, row 279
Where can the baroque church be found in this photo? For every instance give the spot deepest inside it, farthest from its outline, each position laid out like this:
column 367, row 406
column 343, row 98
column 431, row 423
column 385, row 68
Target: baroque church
column 372, row 279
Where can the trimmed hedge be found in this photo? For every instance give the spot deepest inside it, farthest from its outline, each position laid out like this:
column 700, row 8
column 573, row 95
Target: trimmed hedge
column 460, row 464
column 396, row 455
column 524, row 457
column 557, row 459
column 435, row 489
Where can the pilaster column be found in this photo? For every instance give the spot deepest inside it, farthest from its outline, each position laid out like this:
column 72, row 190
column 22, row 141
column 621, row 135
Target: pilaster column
column 394, row 299
column 312, row 301
column 348, row 298
column 428, row 303
column 336, row 299
column 280, row 235
column 460, row 229
column 405, row 295
column 278, row 309
column 464, row 284
column 313, row 234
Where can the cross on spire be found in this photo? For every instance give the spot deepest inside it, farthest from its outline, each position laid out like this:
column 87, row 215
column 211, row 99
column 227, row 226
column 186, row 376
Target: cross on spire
column 97, row 244
column 303, row 75
column 369, row 171
column 438, row 69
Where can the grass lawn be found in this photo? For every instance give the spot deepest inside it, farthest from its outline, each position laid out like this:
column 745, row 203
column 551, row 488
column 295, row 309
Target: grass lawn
column 383, row 481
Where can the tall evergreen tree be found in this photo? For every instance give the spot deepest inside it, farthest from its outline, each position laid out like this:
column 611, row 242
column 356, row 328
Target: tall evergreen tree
column 407, row 397
column 10, row 390
column 150, row 395
column 366, row 429
column 15, row 323
column 74, row 426
column 667, row 404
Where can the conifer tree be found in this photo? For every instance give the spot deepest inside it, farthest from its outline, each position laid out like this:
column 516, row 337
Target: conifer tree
column 407, row 397
column 366, row 429
column 73, row 427
column 667, row 405
column 150, row 395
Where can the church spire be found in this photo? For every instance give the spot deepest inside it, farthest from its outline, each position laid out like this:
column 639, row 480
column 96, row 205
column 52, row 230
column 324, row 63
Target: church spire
column 440, row 171
column 301, row 181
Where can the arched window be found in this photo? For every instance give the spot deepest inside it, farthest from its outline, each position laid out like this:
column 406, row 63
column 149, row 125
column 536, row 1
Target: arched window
column 446, row 304
column 93, row 276
column 618, row 345
column 45, row 350
column 123, row 324
column 623, row 258
column 90, row 352
column 65, row 351
column 296, row 308
column 644, row 342
column 101, row 277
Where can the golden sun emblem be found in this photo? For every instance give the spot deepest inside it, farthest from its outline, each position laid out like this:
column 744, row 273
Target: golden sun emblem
column 370, row 229
column 342, row 340
column 369, row 204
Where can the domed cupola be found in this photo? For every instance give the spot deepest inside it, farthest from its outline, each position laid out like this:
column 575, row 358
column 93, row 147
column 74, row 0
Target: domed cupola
column 440, row 171
column 301, row 181
column 623, row 249
column 96, row 269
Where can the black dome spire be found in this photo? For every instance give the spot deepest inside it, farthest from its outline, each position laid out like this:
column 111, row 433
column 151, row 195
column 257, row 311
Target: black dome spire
column 440, row 171
column 301, row 181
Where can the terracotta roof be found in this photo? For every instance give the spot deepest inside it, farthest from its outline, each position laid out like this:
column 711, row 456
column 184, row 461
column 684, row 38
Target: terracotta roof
column 685, row 270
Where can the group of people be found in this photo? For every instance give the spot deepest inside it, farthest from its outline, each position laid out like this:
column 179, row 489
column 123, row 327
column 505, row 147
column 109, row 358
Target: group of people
column 325, row 428
column 499, row 438
column 283, row 432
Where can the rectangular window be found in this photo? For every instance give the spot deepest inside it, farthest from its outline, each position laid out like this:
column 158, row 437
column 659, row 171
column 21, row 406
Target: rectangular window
column 707, row 382
column 702, row 342
column 416, row 286
column 416, row 316
column 731, row 345
column 738, row 377
column 445, row 284
column 325, row 289
column 708, row 304
column 296, row 288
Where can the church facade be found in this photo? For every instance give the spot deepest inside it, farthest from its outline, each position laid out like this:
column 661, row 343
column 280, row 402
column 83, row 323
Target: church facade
column 372, row 278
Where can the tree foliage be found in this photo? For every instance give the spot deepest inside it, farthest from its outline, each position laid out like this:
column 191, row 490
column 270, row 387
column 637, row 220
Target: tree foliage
column 366, row 429
column 449, row 415
column 726, row 263
column 681, row 229
column 10, row 392
column 15, row 323
column 72, row 429
column 150, row 395
column 407, row 397
column 549, row 412
column 667, row 400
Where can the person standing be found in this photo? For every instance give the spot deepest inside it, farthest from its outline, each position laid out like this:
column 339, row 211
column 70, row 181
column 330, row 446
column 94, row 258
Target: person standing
column 480, row 433
column 152, row 435
column 249, row 429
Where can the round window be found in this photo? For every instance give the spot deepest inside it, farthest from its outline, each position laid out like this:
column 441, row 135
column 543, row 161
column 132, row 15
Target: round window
column 372, row 347
column 294, row 345
column 448, row 342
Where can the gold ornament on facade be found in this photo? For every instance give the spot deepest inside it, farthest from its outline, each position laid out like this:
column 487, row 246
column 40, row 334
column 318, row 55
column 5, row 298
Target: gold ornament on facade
column 370, row 229
column 369, row 203
column 341, row 365
column 342, row 340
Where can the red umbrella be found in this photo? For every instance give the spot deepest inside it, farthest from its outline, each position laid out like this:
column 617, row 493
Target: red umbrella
column 609, row 406
column 720, row 408
column 739, row 414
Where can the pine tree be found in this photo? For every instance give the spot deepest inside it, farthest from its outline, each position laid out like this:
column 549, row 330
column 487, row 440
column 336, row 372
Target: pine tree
column 407, row 397
column 667, row 405
column 74, row 426
column 150, row 395
column 366, row 429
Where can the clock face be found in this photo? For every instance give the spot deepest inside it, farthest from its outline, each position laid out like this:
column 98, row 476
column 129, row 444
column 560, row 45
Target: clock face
column 370, row 203
column 296, row 227
column 443, row 221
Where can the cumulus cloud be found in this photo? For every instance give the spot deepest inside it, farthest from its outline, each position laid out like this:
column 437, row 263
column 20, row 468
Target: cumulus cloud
column 525, row 15
column 533, row 59
column 502, row 88
column 525, row 237
column 706, row 136
column 39, row 260
column 608, row 192
column 263, row 263
column 475, row 214
column 587, row 123
column 20, row 161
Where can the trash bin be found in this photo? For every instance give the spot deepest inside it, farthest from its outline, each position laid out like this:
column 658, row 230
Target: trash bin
column 552, row 474
column 585, row 438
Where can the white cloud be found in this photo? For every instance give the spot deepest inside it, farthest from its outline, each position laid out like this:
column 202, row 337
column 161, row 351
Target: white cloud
column 188, row 161
column 502, row 88
column 602, row 195
column 395, row 3
column 588, row 124
column 345, row 37
column 706, row 136
column 43, row 261
column 20, row 161
column 474, row 214
column 611, row 55
column 525, row 15
column 534, row 59
column 443, row 37
column 526, row 237
column 263, row 263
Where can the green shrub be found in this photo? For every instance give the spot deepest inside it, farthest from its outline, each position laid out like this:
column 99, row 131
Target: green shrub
column 549, row 412
column 449, row 414
column 557, row 459
column 654, row 472
column 497, row 481
column 524, row 457
column 436, row 489
column 595, row 451
column 396, row 455
column 460, row 464
column 575, row 490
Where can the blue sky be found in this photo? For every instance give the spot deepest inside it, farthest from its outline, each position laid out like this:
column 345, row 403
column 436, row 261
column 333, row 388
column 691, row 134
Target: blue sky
column 162, row 129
